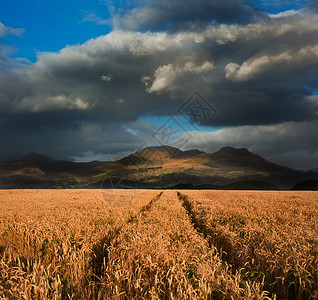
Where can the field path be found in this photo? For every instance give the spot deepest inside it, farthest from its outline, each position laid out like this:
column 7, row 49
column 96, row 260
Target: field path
column 159, row 254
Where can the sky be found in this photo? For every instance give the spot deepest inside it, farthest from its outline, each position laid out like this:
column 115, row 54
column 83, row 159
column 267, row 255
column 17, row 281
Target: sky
column 85, row 80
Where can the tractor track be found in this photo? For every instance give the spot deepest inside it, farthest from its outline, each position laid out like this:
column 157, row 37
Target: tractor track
column 100, row 253
column 225, row 249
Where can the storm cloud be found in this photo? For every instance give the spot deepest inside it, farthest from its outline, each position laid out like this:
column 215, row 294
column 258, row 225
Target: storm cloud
column 183, row 15
column 279, row 143
column 257, row 69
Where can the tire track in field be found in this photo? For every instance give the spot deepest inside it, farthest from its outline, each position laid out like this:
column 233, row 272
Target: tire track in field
column 196, row 222
column 100, row 252
column 200, row 225
column 145, row 208
column 159, row 255
column 229, row 252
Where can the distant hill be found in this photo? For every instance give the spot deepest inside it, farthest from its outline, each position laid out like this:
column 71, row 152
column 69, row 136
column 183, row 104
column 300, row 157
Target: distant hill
column 154, row 167
column 39, row 171
column 36, row 158
column 238, row 185
column 306, row 185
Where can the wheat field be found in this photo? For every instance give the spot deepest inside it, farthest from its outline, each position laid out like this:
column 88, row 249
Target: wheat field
column 152, row 244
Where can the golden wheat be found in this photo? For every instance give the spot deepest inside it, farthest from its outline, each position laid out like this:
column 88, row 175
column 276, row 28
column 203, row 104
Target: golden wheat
column 270, row 237
column 148, row 244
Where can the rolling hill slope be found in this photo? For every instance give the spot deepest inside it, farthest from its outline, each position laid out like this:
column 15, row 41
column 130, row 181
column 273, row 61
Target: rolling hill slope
column 155, row 167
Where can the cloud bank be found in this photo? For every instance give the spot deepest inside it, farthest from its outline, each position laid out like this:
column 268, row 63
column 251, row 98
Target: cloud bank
column 258, row 69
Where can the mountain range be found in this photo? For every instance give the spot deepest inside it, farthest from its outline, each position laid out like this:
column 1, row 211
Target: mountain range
column 156, row 167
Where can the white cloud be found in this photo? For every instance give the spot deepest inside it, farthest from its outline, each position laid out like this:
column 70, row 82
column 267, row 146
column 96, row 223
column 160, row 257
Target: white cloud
column 166, row 77
column 58, row 102
column 5, row 30
column 284, row 14
column 259, row 64
column 92, row 17
column 139, row 44
column 107, row 77
column 297, row 24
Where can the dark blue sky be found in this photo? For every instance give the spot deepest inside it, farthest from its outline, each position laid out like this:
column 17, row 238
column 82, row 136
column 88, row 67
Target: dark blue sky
column 51, row 25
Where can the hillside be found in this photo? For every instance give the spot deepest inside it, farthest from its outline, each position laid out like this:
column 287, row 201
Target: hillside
column 155, row 167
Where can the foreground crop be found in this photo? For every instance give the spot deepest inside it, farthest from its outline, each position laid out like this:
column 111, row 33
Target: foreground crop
column 147, row 244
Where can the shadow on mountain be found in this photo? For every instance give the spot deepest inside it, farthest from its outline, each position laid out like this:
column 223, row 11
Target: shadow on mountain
column 238, row 185
column 306, row 185
column 157, row 167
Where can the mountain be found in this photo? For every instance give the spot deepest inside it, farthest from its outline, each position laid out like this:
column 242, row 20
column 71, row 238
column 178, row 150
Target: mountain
column 158, row 167
column 39, row 171
column 157, row 155
column 154, row 167
column 36, row 158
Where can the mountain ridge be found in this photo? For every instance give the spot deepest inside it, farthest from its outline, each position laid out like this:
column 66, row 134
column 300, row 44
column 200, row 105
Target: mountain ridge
column 153, row 167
